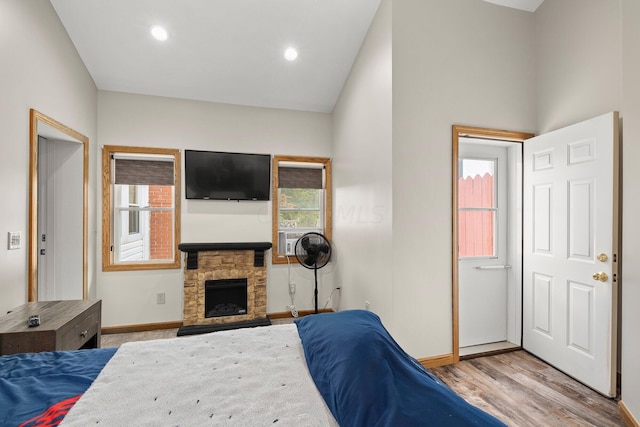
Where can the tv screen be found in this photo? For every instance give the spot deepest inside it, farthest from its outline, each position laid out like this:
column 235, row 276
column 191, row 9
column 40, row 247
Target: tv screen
column 214, row 175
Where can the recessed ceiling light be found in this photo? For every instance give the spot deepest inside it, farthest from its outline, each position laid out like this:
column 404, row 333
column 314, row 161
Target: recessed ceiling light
column 291, row 54
column 159, row 33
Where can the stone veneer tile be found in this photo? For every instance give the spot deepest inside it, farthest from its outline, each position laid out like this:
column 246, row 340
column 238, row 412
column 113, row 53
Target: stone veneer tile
column 221, row 265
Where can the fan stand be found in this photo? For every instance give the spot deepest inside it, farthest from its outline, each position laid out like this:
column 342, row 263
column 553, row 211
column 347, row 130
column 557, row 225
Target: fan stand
column 315, row 291
column 309, row 248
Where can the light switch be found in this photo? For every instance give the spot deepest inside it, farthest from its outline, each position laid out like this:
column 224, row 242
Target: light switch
column 15, row 240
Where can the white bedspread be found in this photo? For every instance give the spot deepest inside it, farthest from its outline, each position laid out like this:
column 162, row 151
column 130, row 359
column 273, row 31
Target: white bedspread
column 243, row 377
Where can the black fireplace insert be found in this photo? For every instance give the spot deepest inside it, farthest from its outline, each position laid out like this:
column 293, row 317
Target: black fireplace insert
column 227, row 297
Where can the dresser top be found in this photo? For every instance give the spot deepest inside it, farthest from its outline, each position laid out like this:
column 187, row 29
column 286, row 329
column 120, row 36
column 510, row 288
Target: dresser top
column 53, row 314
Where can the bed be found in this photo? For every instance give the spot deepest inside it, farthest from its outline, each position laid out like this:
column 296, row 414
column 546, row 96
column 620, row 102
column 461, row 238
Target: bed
column 325, row 370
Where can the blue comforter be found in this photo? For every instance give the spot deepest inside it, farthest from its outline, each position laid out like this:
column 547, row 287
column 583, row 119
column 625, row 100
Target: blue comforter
column 39, row 388
column 366, row 379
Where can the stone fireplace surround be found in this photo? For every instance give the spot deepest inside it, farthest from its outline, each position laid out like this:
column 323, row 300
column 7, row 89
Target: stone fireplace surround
column 223, row 261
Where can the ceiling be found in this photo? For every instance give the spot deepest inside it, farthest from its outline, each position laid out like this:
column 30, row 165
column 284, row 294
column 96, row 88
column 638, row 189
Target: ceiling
column 228, row 51
column 528, row 5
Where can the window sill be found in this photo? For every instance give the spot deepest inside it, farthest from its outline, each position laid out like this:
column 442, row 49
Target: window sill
column 139, row 266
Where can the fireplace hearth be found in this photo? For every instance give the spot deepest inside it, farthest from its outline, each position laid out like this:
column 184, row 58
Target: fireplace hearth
column 225, row 286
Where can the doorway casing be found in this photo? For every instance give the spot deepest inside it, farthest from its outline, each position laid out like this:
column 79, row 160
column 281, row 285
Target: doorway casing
column 472, row 132
column 36, row 120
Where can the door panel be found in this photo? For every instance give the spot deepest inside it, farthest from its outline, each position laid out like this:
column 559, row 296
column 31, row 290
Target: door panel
column 542, row 304
column 569, row 294
column 581, row 333
column 543, row 220
column 580, row 239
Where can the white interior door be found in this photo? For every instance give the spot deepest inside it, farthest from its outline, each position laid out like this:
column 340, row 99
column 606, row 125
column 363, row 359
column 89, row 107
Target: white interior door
column 570, row 250
column 482, row 258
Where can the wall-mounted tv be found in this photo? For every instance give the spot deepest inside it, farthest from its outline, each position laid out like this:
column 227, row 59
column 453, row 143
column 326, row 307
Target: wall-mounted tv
column 215, row 175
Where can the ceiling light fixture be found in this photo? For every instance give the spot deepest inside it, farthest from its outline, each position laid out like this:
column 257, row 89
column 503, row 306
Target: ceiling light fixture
column 291, row 54
column 159, row 33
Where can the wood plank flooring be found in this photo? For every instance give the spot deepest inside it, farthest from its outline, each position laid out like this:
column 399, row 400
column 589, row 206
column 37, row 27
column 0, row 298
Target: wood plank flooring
column 522, row 390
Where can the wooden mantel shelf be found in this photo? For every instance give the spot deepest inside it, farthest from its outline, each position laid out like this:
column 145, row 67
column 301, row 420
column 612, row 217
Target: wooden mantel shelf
column 192, row 250
column 249, row 246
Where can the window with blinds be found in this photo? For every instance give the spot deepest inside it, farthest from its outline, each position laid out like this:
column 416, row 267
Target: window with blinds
column 303, row 201
column 141, row 196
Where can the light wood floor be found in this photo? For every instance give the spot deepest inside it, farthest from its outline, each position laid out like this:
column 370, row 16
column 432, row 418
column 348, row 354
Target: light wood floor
column 521, row 390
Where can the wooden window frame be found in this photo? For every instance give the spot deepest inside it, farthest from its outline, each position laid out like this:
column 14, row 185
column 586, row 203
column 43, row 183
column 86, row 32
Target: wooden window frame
column 108, row 263
column 326, row 162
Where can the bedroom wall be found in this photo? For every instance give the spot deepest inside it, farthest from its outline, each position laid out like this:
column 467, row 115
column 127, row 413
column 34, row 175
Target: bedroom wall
column 126, row 119
column 362, row 175
column 578, row 61
column 454, row 62
column 631, row 205
column 40, row 69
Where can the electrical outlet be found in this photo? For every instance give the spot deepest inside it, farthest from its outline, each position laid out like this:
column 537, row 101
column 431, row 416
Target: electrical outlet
column 15, row 240
column 160, row 298
column 292, row 288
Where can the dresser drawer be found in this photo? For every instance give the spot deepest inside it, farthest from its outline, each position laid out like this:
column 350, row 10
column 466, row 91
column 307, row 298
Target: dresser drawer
column 80, row 332
column 64, row 325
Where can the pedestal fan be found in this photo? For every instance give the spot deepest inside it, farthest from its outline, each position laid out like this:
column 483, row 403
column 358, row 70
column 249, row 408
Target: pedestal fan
column 313, row 251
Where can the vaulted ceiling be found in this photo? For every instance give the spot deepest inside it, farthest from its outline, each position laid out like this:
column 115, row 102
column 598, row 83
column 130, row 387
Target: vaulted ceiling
column 228, row 51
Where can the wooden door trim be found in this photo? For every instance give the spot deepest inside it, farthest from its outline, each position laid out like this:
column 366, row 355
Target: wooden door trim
column 36, row 117
column 458, row 131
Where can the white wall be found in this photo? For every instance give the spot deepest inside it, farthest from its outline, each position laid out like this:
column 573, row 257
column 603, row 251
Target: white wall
column 136, row 120
column 454, row 62
column 578, row 61
column 40, row 69
column 362, row 175
column 631, row 205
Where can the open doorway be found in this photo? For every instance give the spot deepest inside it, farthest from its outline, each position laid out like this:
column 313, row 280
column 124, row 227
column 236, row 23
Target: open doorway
column 487, row 240
column 58, row 206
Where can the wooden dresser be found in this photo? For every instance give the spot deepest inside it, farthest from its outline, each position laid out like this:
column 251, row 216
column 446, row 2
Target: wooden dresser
column 64, row 325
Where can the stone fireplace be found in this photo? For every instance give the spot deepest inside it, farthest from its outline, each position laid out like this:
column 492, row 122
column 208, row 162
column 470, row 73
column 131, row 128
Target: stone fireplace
column 225, row 286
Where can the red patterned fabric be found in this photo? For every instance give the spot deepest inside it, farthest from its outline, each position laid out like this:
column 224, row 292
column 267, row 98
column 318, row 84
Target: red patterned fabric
column 52, row 416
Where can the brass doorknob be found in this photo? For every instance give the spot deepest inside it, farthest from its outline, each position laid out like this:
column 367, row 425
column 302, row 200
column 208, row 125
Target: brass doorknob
column 600, row 276
column 602, row 257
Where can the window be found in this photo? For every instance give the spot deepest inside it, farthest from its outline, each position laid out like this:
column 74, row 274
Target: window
column 134, row 214
column 301, row 202
column 476, row 207
column 141, row 208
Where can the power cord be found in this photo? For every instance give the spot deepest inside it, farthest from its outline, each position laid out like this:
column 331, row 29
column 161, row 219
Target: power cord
column 326, row 304
column 292, row 291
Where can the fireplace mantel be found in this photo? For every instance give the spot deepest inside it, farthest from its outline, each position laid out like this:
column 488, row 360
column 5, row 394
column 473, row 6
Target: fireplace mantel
column 196, row 247
column 192, row 250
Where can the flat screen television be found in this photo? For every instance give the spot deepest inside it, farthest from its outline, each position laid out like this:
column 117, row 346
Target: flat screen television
column 215, row 175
